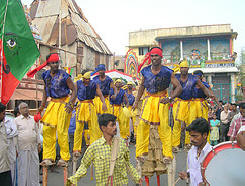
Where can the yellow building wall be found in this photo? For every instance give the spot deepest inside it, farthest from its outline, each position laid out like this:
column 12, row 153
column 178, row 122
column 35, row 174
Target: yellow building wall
column 146, row 37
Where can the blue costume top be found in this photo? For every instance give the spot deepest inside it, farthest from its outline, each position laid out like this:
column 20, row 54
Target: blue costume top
column 131, row 99
column 198, row 92
column 56, row 87
column 86, row 92
column 119, row 98
column 187, row 86
column 104, row 85
column 156, row 83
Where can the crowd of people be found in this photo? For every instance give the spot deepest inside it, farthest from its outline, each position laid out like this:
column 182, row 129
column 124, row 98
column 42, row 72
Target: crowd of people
column 221, row 121
column 106, row 114
column 20, row 147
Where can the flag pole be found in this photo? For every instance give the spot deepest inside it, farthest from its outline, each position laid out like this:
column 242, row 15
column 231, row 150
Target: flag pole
column 1, row 54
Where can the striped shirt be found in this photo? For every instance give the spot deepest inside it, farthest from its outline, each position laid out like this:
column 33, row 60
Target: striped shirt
column 99, row 153
column 237, row 122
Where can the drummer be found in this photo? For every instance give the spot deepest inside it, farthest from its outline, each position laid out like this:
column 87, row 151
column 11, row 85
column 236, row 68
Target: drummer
column 198, row 131
column 237, row 122
column 241, row 137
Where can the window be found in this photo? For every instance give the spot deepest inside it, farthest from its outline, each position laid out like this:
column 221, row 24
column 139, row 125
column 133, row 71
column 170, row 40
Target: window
column 143, row 50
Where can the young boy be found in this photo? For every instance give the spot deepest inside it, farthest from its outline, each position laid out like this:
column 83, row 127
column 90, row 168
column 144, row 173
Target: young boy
column 198, row 131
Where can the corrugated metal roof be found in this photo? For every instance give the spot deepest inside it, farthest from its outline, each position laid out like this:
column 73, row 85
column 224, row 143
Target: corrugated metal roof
column 73, row 22
column 45, row 26
column 48, row 8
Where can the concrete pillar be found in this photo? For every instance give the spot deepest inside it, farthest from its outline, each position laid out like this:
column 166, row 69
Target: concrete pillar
column 209, row 80
column 209, row 51
column 181, row 50
column 233, row 87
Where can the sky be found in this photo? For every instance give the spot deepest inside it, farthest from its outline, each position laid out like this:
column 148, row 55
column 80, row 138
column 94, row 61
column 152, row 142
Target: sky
column 114, row 19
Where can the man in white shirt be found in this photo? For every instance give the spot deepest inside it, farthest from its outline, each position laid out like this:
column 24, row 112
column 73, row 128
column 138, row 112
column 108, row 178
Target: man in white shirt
column 225, row 123
column 28, row 146
column 5, row 173
column 198, row 131
column 11, row 131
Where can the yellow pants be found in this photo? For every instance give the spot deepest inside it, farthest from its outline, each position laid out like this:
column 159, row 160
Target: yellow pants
column 154, row 113
column 98, row 105
column 198, row 108
column 201, row 110
column 86, row 113
column 133, row 118
column 56, row 119
column 181, row 114
column 192, row 117
column 87, row 136
column 117, row 110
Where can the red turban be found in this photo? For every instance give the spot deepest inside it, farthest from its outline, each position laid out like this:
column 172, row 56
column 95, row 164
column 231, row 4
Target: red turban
column 157, row 51
column 52, row 58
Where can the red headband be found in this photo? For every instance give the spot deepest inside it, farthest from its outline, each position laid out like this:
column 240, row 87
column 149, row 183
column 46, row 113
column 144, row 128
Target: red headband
column 157, row 51
column 52, row 58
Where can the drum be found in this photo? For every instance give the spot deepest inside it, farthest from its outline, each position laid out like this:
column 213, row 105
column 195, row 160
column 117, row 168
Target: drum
column 225, row 165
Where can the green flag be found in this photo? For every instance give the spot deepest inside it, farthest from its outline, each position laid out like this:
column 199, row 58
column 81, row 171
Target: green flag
column 19, row 48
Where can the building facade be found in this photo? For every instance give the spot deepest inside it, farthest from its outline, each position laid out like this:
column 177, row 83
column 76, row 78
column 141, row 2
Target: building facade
column 208, row 48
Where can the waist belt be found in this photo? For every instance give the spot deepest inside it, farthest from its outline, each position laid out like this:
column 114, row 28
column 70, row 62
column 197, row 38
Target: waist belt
column 158, row 94
column 86, row 101
column 199, row 99
column 57, row 100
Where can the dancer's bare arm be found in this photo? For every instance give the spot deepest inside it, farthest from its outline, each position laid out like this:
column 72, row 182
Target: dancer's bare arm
column 139, row 94
column 99, row 93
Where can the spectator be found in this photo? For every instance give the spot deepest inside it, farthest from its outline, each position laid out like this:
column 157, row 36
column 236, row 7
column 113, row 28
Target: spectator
column 198, row 131
column 29, row 145
column 219, row 109
column 5, row 173
column 11, row 131
column 224, row 127
column 237, row 122
column 230, row 107
column 233, row 112
column 40, row 153
column 210, row 114
column 16, row 112
column 214, row 134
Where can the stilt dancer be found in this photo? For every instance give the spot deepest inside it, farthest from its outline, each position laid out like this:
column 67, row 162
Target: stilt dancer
column 153, row 143
column 56, row 119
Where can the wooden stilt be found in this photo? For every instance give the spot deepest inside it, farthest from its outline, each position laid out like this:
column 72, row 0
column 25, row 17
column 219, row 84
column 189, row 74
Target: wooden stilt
column 170, row 173
column 65, row 175
column 74, row 165
column 174, row 168
column 45, row 175
column 91, row 172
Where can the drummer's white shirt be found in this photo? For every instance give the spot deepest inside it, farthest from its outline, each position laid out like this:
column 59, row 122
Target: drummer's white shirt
column 194, row 163
column 241, row 129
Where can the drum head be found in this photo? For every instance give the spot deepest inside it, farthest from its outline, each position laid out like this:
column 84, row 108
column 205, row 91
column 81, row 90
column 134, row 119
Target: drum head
column 225, row 165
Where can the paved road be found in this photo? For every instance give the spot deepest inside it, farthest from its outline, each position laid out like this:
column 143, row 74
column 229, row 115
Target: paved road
column 56, row 178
